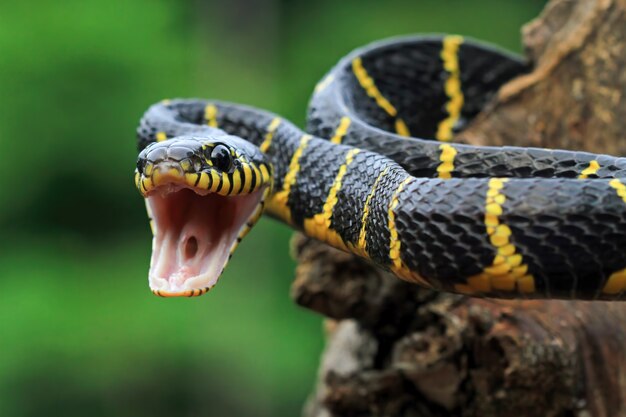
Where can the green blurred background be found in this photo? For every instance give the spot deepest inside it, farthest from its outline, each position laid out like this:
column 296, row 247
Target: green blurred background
column 80, row 333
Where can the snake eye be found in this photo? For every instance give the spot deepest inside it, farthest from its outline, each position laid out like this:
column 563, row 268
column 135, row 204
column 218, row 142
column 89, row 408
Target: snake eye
column 221, row 158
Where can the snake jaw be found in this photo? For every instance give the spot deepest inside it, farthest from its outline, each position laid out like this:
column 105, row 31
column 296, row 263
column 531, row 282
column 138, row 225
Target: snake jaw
column 194, row 232
column 203, row 194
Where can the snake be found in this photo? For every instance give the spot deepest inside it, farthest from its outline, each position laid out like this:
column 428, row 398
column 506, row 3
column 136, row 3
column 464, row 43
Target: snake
column 376, row 173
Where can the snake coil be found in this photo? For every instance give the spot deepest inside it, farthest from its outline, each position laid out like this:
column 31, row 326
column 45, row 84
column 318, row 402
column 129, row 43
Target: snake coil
column 489, row 221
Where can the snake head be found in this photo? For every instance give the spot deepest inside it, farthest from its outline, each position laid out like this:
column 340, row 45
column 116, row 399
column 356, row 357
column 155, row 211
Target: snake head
column 202, row 195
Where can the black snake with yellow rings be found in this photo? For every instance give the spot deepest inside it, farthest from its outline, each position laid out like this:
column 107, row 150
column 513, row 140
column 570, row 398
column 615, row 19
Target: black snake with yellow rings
column 490, row 221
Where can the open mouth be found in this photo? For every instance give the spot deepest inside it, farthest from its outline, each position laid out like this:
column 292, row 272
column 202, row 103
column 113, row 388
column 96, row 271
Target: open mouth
column 194, row 234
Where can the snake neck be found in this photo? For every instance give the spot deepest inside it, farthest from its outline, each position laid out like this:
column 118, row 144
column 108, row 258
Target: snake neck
column 319, row 186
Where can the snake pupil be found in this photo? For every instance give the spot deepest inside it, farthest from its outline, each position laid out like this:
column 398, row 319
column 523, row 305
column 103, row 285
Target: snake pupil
column 221, row 158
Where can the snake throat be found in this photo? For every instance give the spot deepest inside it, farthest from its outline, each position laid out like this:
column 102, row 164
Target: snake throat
column 194, row 233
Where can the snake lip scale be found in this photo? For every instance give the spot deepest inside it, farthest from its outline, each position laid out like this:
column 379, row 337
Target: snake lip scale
column 376, row 173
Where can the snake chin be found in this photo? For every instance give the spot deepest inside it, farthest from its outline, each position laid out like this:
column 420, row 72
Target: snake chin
column 194, row 233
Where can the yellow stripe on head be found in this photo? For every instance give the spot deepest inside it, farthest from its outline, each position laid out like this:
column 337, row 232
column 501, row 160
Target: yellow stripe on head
column 215, row 180
column 237, row 185
column 452, row 87
column 203, row 181
column 258, row 176
column 224, row 190
column 265, row 173
column 161, row 136
column 247, row 182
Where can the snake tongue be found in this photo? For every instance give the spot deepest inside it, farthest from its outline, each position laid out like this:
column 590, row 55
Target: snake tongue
column 192, row 238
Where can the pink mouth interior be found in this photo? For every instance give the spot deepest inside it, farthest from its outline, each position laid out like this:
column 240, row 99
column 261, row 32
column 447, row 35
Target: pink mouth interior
column 193, row 237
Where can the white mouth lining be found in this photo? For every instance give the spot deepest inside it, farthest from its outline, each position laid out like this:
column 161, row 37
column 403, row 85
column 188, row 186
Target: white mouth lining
column 180, row 214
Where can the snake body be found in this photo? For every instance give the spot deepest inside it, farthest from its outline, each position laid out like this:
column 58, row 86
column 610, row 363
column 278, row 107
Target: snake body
column 503, row 222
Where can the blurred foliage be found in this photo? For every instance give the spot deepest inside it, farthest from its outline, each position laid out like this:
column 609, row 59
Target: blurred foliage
column 80, row 332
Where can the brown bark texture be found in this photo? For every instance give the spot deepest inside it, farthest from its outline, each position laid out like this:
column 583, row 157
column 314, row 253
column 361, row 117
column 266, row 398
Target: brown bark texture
column 395, row 349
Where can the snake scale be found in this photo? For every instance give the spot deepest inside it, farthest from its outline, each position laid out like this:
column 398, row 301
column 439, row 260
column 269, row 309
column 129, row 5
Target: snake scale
column 375, row 174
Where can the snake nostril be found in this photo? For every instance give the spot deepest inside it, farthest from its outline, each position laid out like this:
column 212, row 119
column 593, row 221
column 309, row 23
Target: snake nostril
column 191, row 247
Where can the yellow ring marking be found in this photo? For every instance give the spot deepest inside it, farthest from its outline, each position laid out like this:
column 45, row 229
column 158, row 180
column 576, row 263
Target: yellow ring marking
column 161, row 136
column 448, row 153
column 367, row 83
column 401, row 128
column 324, row 83
column 398, row 267
column 617, row 280
column 507, row 271
column 370, row 88
column 362, row 243
column 592, row 169
column 278, row 203
column 319, row 225
column 210, row 115
column 449, row 55
column 341, row 130
column 270, row 134
column 619, row 187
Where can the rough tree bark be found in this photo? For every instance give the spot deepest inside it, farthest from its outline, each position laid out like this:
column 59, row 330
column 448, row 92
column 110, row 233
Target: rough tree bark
column 395, row 349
